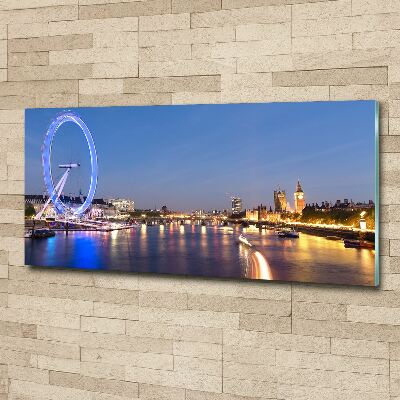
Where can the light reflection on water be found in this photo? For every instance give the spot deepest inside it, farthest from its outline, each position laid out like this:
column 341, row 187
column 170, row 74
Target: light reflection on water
column 208, row 251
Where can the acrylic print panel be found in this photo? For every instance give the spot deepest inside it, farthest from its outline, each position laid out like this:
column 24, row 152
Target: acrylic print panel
column 281, row 192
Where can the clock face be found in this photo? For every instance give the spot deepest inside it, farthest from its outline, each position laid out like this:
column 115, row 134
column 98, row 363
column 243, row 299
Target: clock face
column 300, row 196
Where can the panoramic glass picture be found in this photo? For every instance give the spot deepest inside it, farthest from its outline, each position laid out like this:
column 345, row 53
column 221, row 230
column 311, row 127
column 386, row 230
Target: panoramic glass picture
column 274, row 192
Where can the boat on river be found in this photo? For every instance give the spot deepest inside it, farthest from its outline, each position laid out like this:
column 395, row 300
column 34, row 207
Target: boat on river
column 358, row 244
column 226, row 228
column 243, row 240
column 43, row 233
column 288, row 233
column 252, row 228
column 331, row 237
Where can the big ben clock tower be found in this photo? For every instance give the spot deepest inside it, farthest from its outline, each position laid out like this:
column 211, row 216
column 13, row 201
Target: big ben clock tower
column 299, row 202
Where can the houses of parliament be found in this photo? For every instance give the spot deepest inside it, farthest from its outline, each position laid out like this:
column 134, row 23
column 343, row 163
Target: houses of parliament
column 281, row 204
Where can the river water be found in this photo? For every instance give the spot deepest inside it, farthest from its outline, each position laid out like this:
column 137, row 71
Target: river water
column 206, row 251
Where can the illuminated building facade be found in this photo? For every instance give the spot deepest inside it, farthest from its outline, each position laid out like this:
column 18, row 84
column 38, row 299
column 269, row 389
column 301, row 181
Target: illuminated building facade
column 272, row 217
column 280, row 200
column 252, row 215
column 299, row 201
column 102, row 209
column 261, row 213
column 123, row 205
column 99, row 207
column 236, row 205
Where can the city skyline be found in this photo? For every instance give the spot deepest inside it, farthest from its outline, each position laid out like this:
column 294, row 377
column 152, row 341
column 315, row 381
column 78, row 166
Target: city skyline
column 162, row 163
column 244, row 206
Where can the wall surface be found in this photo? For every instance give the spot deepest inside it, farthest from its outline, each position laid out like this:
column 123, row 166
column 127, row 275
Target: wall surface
column 93, row 336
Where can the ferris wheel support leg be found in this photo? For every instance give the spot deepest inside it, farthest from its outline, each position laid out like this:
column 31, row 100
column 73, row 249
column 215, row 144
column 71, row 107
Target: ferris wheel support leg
column 58, row 189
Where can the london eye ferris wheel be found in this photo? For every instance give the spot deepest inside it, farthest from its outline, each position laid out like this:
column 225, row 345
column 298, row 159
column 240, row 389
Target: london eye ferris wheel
column 54, row 191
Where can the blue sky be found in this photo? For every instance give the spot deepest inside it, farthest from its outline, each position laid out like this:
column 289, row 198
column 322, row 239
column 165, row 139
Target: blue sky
column 196, row 156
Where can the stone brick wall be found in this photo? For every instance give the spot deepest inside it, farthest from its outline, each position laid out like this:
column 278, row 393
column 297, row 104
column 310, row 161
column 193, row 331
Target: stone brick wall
column 91, row 336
